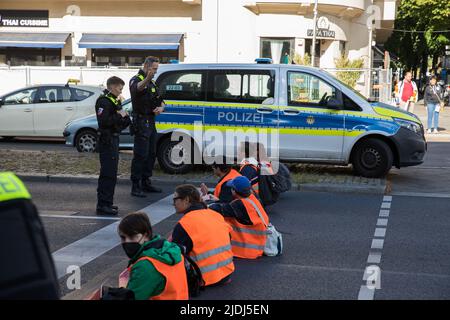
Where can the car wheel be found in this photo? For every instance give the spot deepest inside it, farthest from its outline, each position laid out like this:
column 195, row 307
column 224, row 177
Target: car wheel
column 86, row 141
column 372, row 158
column 168, row 163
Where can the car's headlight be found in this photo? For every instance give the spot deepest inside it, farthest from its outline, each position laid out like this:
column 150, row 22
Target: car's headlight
column 410, row 125
column 68, row 124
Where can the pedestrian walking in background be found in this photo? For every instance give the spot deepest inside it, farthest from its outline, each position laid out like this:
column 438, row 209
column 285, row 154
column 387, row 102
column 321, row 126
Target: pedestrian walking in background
column 433, row 99
column 407, row 93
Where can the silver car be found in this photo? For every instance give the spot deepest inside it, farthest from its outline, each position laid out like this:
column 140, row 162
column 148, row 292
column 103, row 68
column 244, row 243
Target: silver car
column 44, row 110
column 82, row 133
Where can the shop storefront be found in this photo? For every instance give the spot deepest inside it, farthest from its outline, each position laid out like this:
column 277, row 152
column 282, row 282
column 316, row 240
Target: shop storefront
column 122, row 33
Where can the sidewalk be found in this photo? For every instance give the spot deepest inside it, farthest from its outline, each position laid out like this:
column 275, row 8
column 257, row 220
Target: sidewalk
column 444, row 122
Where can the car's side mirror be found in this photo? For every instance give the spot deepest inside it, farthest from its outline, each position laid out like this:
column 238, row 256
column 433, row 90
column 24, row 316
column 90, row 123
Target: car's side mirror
column 1, row 102
column 334, row 104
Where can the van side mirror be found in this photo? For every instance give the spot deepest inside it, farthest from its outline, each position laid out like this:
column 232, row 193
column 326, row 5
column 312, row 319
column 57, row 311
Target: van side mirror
column 334, row 104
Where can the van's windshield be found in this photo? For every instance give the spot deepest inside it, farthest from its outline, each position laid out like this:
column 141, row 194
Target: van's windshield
column 347, row 86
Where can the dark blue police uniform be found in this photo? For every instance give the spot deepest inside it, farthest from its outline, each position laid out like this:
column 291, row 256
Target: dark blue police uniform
column 110, row 124
column 145, row 134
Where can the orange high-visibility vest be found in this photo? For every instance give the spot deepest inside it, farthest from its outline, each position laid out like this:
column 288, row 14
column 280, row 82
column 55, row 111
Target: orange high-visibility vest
column 229, row 176
column 248, row 241
column 254, row 182
column 211, row 250
column 176, row 280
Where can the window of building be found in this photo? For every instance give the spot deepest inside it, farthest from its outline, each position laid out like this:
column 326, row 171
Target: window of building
column 31, row 56
column 129, row 58
column 252, row 86
column 276, row 48
column 22, row 97
column 308, row 47
column 182, row 85
column 307, row 89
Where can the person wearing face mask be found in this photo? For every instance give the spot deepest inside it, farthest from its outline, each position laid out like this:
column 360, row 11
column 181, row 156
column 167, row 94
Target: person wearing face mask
column 247, row 218
column 156, row 268
column 204, row 235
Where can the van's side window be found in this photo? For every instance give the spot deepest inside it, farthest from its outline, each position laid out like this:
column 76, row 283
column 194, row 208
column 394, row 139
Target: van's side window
column 182, row 85
column 241, row 86
column 307, row 89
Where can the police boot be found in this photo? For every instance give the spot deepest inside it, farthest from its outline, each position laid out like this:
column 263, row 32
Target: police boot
column 136, row 190
column 106, row 210
column 147, row 187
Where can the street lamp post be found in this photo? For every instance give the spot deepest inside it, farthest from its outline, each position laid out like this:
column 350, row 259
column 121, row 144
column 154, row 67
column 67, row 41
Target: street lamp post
column 313, row 50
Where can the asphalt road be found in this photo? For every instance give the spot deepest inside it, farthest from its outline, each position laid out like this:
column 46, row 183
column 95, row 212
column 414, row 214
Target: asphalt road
column 35, row 144
column 327, row 240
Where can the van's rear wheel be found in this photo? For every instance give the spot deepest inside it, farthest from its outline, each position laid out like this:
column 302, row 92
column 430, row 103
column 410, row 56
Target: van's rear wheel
column 372, row 158
column 174, row 158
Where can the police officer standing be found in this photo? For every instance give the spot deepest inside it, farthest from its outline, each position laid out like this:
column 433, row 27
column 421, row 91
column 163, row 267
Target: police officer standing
column 111, row 121
column 147, row 104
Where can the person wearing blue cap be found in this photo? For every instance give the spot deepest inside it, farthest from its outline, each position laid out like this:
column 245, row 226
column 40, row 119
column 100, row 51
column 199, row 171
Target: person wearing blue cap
column 247, row 218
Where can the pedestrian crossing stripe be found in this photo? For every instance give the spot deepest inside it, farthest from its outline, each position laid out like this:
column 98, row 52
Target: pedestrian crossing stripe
column 11, row 187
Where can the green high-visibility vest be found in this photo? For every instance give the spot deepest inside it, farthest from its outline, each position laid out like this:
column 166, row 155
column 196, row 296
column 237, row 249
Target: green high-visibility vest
column 11, row 187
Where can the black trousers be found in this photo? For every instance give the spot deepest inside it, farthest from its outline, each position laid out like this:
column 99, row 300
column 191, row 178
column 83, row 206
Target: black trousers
column 144, row 153
column 109, row 161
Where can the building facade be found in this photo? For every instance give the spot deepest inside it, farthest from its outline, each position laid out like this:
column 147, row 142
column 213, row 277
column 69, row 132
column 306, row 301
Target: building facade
column 121, row 33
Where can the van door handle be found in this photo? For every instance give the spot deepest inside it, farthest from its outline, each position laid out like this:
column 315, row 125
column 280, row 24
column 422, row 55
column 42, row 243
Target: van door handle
column 27, row 110
column 264, row 110
column 69, row 108
column 291, row 112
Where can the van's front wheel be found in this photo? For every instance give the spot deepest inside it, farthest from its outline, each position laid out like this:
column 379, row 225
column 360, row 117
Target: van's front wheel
column 372, row 158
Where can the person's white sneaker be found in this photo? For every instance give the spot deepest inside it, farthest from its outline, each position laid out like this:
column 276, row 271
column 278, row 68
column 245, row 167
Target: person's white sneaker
column 435, row 130
column 428, row 130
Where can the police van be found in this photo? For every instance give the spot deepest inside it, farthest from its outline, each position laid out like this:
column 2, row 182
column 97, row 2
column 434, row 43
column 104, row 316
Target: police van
column 319, row 119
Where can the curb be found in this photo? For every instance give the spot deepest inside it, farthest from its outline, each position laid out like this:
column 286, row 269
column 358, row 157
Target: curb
column 317, row 187
column 94, row 179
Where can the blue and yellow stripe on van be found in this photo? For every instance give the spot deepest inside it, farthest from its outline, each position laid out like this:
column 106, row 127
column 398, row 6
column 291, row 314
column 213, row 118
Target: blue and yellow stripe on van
column 341, row 122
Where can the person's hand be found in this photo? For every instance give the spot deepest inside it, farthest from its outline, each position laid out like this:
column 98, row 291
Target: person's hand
column 149, row 76
column 121, row 98
column 204, row 189
column 123, row 113
column 158, row 110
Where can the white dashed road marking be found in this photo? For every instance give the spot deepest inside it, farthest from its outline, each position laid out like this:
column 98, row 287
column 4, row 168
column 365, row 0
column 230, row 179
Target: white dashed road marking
column 371, row 277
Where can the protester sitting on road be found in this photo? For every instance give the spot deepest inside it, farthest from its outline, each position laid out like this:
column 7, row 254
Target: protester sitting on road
column 248, row 219
column 204, row 235
column 156, row 268
column 222, row 193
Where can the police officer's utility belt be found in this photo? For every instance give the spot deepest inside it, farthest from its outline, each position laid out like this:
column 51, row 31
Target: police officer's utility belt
column 106, row 133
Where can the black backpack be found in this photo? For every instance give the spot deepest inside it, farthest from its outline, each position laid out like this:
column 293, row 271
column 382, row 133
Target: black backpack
column 195, row 281
column 271, row 186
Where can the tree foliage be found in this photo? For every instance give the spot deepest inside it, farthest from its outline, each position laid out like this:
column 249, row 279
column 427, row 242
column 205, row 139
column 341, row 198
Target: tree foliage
column 414, row 48
column 349, row 77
